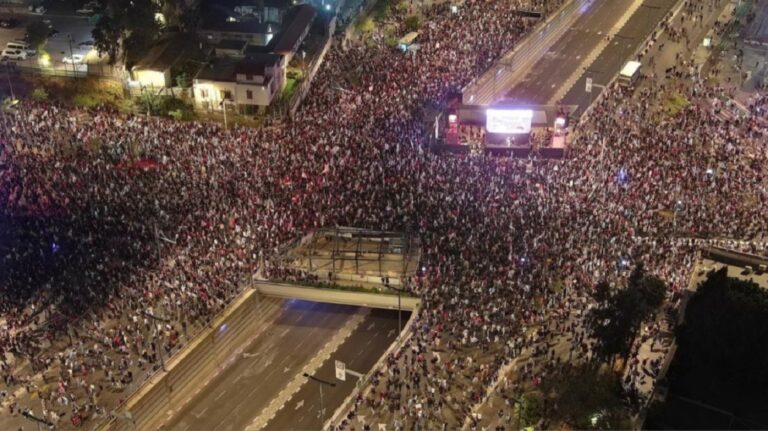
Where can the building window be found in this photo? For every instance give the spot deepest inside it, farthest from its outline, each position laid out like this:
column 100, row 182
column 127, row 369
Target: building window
column 248, row 94
column 226, row 95
column 203, row 93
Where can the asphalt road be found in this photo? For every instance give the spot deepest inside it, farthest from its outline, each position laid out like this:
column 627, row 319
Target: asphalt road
column 360, row 353
column 614, row 56
column 566, row 55
column 58, row 46
column 238, row 395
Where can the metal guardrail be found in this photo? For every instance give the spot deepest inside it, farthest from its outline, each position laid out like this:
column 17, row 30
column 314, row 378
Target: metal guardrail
column 381, row 300
column 154, row 377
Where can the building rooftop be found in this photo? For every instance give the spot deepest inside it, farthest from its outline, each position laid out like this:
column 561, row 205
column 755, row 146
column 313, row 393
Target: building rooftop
column 166, row 52
column 226, row 69
column 301, row 18
column 233, row 44
column 249, row 26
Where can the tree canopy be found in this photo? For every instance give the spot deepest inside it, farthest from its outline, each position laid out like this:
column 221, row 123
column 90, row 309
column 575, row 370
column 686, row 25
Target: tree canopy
column 725, row 338
column 126, row 29
column 586, row 397
column 721, row 360
column 617, row 320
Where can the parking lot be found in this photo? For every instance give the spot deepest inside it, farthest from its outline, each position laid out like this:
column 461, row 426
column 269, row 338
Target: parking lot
column 71, row 34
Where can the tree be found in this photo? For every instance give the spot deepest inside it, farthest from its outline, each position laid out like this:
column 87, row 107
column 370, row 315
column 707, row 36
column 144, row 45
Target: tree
column 412, row 23
column 617, row 321
column 125, row 29
column 107, row 37
column 721, row 359
column 37, row 33
column 586, row 397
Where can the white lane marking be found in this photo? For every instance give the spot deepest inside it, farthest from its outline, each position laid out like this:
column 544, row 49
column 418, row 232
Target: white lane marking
column 371, row 326
column 202, row 412
column 266, row 414
column 221, row 394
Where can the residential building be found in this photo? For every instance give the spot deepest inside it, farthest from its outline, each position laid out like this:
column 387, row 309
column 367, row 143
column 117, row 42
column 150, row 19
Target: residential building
column 155, row 68
column 246, row 82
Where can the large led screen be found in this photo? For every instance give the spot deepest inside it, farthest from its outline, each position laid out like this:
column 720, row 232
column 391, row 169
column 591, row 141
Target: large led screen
column 509, row 121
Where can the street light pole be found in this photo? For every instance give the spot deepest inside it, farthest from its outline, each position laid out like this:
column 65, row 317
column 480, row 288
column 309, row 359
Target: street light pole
column 399, row 310
column 224, row 107
column 160, row 348
column 321, row 382
column 71, row 55
column 8, row 75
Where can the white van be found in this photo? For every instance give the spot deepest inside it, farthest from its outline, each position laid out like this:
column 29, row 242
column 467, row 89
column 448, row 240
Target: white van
column 22, row 46
column 630, row 73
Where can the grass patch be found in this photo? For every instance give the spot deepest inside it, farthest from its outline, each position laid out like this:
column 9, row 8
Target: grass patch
column 289, row 89
column 85, row 92
column 676, row 103
column 365, row 25
column 382, row 9
column 412, row 23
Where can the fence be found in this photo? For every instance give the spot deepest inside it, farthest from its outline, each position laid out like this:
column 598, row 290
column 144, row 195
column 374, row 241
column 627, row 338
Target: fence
column 205, row 356
column 301, row 92
column 81, row 71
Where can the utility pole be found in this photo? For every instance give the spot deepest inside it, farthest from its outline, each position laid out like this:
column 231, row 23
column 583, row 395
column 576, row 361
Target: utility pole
column 71, row 55
column 321, row 383
column 399, row 310
column 8, row 75
column 160, row 348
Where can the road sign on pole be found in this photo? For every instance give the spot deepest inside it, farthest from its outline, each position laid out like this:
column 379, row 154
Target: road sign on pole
column 341, row 371
column 589, row 85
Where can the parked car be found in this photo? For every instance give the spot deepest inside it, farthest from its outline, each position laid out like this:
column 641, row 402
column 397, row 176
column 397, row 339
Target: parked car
column 88, row 44
column 37, row 10
column 88, row 8
column 9, row 23
column 75, row 59
column 13, row 54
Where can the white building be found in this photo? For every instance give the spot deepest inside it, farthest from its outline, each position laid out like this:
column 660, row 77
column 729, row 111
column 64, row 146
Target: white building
column 244, row 82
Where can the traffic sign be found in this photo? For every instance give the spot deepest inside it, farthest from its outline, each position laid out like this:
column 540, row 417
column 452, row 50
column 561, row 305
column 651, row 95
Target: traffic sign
column 341, row 371
column 589, row 85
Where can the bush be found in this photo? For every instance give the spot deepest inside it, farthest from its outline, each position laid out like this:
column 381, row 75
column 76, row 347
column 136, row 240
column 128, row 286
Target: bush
column 37, row 34
column 39, row 94
column 366, row 25
column 166, row 106
column 412, row 23
column 390, row 41
column 402, row 7
column 85, row 101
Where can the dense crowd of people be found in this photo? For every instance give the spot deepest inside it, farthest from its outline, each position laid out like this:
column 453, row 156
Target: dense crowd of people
column 122, row 235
